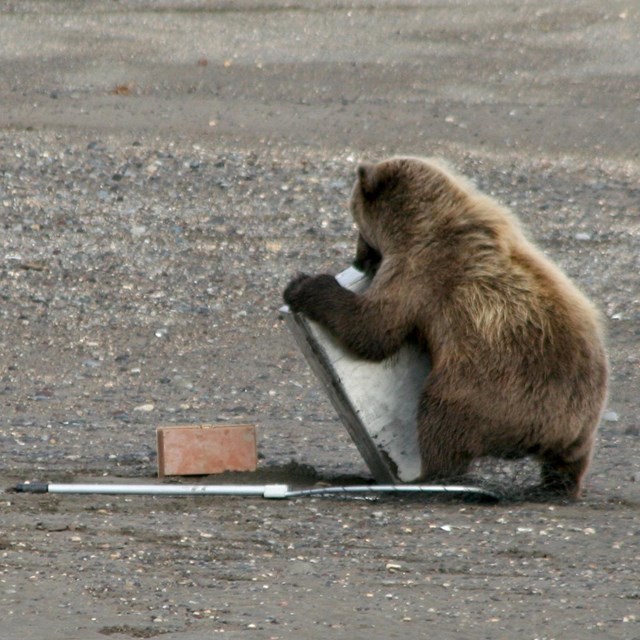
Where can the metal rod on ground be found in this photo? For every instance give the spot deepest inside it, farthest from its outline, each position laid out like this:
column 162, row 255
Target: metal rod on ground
column 272, row 491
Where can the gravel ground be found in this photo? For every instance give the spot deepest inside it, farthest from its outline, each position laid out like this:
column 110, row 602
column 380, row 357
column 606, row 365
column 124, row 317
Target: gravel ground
column 164, row 169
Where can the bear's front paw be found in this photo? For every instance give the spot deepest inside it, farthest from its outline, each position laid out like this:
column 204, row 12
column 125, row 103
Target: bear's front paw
column 293, row 291
column 304, row 291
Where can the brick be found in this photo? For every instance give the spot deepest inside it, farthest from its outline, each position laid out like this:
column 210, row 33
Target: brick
column 206, row 449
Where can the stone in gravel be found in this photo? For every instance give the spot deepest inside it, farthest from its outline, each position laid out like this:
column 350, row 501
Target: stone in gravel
column 144, row 408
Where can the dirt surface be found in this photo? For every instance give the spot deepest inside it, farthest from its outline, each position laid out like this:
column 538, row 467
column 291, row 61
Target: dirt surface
column 165, row 167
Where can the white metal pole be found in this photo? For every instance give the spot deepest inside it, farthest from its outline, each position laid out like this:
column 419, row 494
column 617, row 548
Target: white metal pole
column 266, row 491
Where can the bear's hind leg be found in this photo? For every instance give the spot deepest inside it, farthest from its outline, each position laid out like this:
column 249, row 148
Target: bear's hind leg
column 447, row 438
column 563, row 473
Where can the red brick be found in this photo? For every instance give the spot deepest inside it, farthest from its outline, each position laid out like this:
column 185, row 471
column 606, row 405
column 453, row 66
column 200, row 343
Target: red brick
column 205, row 449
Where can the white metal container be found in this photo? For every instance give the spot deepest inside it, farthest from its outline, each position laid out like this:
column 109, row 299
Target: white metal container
column 377, row 402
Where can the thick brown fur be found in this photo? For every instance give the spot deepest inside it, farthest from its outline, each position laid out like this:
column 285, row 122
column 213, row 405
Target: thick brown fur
column 518, row 363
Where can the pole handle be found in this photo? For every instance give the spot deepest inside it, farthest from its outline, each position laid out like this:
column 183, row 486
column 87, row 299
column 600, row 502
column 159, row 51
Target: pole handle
column 32, row 487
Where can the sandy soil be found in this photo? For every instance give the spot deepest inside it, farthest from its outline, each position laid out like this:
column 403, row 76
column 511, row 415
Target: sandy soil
column 165, row 167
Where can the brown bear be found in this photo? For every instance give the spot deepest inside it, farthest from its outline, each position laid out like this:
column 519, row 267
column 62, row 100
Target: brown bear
column 518, row 363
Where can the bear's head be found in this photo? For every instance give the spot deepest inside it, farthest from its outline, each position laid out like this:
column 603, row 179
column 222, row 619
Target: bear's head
column 394, row 201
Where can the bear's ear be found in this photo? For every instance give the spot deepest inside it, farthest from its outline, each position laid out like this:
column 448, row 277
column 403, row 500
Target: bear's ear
column 371, row 179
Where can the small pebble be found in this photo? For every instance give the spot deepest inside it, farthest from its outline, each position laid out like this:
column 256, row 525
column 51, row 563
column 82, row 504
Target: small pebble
column 144, row 408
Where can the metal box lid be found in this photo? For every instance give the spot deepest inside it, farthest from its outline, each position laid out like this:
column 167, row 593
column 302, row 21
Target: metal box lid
column 377, row 402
